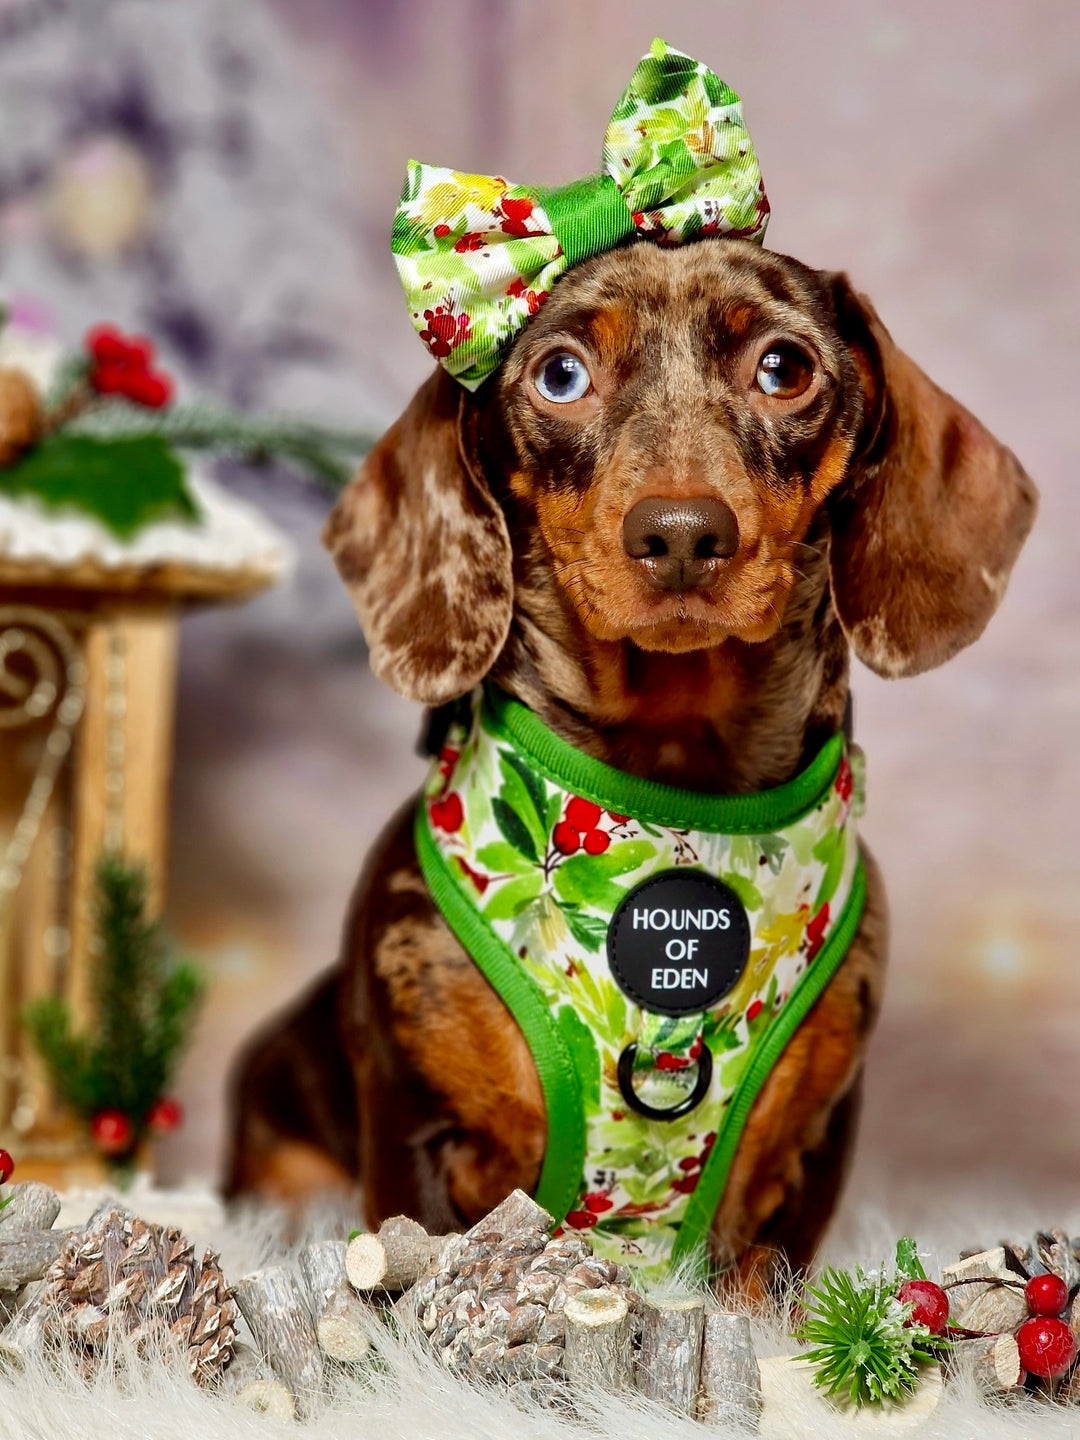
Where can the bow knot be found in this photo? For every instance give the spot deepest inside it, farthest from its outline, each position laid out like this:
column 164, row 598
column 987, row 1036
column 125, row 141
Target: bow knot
column 478, row 256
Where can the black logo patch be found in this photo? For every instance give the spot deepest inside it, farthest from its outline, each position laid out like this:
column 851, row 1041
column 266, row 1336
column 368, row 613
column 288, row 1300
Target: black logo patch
column 678, row 942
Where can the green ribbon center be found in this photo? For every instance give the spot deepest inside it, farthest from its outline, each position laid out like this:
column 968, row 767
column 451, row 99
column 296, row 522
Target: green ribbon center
column 587, row 216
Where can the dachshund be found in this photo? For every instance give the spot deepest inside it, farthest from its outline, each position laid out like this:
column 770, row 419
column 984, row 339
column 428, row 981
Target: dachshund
column 812, row 493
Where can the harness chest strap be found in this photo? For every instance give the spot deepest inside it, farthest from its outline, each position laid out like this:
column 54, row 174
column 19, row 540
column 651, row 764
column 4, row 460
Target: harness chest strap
column 658, row 948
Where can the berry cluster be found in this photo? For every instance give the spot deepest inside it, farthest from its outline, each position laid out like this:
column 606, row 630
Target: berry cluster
column 113, row 1132
column 1046, row 1343
column 7, row 1167
column 123, row 365
column 693, row 1165
column 579, row 829
column 592, row 1207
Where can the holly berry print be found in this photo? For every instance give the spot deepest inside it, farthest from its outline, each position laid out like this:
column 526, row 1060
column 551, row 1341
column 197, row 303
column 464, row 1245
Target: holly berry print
column 478, row 256
column 546, row 868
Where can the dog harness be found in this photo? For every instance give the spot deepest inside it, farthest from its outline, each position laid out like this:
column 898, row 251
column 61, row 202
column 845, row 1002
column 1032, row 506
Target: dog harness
column 657, row 947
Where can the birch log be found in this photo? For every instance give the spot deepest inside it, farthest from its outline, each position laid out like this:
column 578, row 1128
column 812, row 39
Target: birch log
column 517, row 1214
column 32, row 1206
column 393, row 1260
column 670, row 1361
column 273, row 1306
column 730, row 1379
column 341, row 1318
column 993, row 1361
column 27, row 1255
column 24, row 1336
column 598, row 1354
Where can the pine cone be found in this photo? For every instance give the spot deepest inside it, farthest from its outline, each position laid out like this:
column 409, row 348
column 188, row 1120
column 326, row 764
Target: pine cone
column 20, row 414
column 494, row 1309
column 131, row 1278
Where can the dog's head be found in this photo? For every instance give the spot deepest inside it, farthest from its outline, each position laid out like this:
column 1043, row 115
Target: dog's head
column 662, row 438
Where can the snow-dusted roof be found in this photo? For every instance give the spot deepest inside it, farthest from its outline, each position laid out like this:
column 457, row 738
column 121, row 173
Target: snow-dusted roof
column 232, row 550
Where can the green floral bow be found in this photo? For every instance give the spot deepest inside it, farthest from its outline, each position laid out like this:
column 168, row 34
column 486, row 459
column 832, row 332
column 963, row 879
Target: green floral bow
column 477, row 256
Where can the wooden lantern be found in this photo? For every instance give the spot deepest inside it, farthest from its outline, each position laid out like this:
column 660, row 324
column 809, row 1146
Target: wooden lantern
column 88, row 644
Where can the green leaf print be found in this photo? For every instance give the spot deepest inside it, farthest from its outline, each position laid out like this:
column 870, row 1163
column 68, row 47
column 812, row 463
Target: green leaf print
column 502, row 858
column 830, row 850
column 587, row 930
column 519, row 797
column 586, row 1057
column 587, row 879
column 512, row 897
column 513, row 827
column 772, row 847
column 533, row 784
column 745, row 889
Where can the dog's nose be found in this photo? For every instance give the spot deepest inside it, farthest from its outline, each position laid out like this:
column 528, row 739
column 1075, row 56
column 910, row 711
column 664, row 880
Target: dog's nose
column 679, row 539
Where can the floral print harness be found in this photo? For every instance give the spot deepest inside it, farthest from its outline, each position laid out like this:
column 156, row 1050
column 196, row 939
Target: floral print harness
column 599, row 905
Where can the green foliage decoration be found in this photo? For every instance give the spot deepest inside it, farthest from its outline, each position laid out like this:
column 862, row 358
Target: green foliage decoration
column 143, row 1005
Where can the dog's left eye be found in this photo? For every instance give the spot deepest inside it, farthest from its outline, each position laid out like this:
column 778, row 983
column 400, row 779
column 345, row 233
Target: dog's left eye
column 784, row 371
column 562, row 378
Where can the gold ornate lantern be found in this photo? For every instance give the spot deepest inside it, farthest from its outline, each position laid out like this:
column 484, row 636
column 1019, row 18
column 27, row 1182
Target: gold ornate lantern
column 88, row 646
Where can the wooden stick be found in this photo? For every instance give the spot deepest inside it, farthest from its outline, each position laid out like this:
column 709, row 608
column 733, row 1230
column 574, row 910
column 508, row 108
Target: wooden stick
column 670, row 1361
column 322, row 1266
column 32, row 1206
column 340, row 1316
column 730, row 1378
column 341, row 1328
column 391, row 1260
column 992, row 1360
column 24, row 1336
column 27, row 1255
column 273, row 1306
column 598, row 1353
column 267, row 1396
column 517, row 1213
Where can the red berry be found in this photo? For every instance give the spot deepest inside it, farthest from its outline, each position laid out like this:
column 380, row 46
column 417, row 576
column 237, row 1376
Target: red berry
column 692, row 1162
column 1046, row 1294
column 618, row 819
column 149, row 388
column 112, row 1131
column 596, row 842
column 1047, row 1346
column 930, row 1305
column 110, row 379
column 106, row 345
column 754, row 1009
column 686, row 1184
column 597, row 1202
column 165, row 1115
column 666, row 1061
column 582, row 814
column 448, row 813
column 441, row 231
column 565, row 838
column 581, row 1219
column 7, row 1167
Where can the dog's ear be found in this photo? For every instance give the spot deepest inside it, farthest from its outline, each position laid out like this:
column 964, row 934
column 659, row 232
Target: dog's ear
column 424, row 551
column 934, row 513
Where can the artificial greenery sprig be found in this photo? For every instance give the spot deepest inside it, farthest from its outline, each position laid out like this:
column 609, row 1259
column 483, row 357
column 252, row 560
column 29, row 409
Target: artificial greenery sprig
column 867, row 1332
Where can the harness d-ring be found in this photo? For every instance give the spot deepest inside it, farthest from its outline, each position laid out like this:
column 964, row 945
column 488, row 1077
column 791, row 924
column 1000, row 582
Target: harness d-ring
column 673, row 1112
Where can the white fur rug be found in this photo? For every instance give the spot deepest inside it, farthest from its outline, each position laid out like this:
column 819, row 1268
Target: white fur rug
column 408, row 1397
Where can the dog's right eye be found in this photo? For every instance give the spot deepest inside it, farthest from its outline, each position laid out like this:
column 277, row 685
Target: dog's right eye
column 562, row 378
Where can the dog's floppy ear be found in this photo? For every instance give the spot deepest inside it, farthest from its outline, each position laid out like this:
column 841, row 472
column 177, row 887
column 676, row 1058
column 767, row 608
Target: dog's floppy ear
column 934, row 514
column 424, row 551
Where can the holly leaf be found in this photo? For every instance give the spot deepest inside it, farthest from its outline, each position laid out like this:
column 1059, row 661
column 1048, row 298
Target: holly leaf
column 520, row 797
column 830, row 850
column 513, row 828
column 587, row 879
column 125, row 483
column 745, row 889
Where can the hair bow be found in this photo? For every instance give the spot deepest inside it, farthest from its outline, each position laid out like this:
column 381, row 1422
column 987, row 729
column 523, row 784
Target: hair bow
column 478, row 256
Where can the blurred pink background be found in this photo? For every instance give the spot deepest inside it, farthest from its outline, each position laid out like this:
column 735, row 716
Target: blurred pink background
column 929, row 150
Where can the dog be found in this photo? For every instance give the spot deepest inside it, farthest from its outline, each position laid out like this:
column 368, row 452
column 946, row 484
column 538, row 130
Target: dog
column 671, row 570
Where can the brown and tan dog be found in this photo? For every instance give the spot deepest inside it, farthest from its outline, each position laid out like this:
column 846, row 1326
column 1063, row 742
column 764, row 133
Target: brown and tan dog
column 670, row 571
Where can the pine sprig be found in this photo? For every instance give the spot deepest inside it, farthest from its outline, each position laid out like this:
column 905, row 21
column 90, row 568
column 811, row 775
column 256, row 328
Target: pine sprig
column 863, row 1346
column 327, row 453
column 144, row 1004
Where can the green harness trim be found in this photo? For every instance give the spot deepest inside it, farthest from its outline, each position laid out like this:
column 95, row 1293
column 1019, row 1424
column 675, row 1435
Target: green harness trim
column 539, row 778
